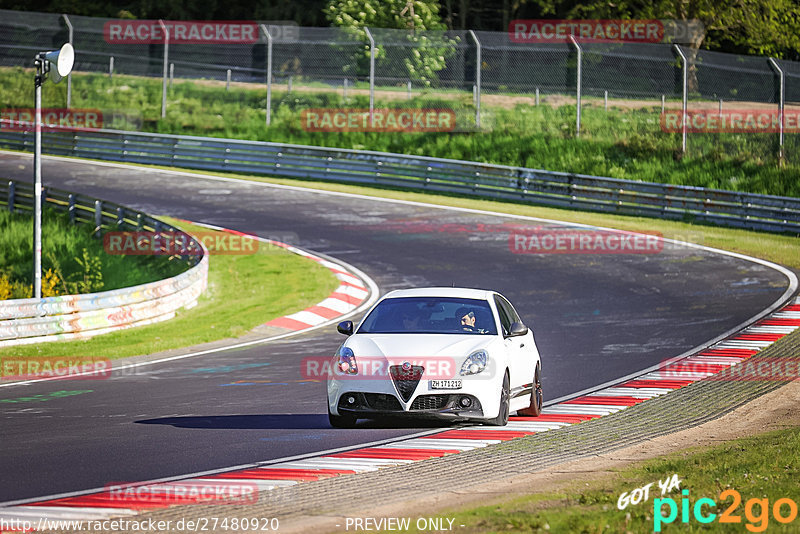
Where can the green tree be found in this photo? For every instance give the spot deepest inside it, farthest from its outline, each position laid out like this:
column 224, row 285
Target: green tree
column 416, row 53
column 766, row 27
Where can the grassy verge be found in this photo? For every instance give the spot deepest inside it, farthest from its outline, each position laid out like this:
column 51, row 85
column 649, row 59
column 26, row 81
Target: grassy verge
column 76, row 260
column 620, row 143
column 763, row 467
column 244, row 291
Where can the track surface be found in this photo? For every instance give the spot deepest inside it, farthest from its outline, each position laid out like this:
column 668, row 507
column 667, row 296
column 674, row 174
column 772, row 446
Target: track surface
column 596, row 318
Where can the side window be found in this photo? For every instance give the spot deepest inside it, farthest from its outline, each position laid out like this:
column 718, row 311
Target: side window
column 512, row 313
column 505, row 318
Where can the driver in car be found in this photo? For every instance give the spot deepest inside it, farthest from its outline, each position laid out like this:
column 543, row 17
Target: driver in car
column 467, row 318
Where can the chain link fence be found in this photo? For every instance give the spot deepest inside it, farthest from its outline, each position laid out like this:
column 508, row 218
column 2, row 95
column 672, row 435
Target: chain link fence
column 487, row 80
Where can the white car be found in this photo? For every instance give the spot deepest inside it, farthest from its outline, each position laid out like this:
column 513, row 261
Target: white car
column 449, row 353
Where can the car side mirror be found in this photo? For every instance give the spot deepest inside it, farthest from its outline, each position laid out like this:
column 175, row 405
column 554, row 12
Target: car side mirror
column 517, row 329
column 346, row 328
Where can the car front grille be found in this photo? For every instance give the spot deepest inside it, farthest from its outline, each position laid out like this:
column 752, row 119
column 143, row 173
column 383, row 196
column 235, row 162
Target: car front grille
column 430, row 402
column 380, row 401
column 406, row 380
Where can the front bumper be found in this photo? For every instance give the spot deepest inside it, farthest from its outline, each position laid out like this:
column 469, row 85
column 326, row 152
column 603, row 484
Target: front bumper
column 449, row 406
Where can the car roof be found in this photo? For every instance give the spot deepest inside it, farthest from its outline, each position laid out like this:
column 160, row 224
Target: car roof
column 452, row 292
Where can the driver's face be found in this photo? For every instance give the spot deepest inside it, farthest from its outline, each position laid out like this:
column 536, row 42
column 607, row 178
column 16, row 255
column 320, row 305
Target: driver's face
column 468, row 321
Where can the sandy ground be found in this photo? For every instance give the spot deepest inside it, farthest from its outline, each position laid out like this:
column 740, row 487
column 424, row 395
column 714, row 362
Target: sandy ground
column 773, row 411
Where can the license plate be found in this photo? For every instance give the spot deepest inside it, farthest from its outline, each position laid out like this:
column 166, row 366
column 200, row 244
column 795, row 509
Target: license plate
column 445, row 384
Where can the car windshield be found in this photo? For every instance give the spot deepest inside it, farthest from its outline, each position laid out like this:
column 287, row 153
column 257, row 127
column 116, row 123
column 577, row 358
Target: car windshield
column 430, row 315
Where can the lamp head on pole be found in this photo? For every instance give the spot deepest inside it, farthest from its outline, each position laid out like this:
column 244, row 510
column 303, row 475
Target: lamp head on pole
column 58, row 63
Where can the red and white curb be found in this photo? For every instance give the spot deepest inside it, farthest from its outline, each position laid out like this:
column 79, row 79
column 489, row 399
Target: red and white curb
column 353, row 292
column 674, row 375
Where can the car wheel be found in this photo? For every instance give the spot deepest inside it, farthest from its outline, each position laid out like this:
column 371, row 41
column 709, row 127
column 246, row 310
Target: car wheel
column 505, row 395
column 341, row 421
column 535, row 409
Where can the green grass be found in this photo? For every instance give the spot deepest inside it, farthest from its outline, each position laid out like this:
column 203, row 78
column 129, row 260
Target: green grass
column 244, row 291
column 64, row 243
column 761, row 467
column 626, row 144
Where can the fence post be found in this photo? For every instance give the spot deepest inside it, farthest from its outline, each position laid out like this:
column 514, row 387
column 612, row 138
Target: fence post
column 71, row 208
column 166, row 60
column 98, row 217
column 477, row 78
column 12, row 189
column 685, row 117
column 578, row 86
column 269, row 72
column 537, row 96
column 228, row 80
column 171, row 73
column 69, row 76
column 371, row 77
column 781, row 103
column 111, row 68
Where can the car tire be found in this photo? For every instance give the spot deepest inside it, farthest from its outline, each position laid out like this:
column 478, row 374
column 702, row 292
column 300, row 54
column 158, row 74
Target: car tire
column 537, row 398
column 341, row 421
column 505, row 399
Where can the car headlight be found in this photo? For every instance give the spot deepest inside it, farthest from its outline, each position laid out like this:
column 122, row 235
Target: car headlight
column 475, row 363
column 346, row 361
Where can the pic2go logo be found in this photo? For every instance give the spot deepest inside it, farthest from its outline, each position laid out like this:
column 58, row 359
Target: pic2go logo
column 756, row 511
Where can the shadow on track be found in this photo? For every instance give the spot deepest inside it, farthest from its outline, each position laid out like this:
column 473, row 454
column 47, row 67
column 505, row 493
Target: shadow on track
column 284, row 422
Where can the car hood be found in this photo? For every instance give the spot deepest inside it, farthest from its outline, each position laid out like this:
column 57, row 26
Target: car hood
column 393, row 346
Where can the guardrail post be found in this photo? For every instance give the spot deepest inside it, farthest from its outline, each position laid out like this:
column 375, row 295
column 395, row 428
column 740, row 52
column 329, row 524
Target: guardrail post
column 120, row 216
column 12, row 189
column 71, row 208
column 477, row 78
column 781, row 104
column 69, row 76
column 166, row 61
column 139, row 222
column 685, row 90
column 371, row 77
column 578, row 85
column 269, row 72
column 98, row 217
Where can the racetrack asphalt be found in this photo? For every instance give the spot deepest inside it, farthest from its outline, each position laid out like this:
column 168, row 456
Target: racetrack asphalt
column 596, row 317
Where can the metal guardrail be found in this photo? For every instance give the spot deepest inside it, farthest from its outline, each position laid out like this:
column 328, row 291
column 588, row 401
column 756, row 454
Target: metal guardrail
column 25, row 321
column 534, row 186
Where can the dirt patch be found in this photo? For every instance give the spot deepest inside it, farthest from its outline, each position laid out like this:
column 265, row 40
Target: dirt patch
column 773, row 411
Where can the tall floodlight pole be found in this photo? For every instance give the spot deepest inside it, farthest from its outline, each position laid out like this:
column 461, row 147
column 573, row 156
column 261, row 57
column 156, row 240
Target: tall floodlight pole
column 59, row 64
column 269, row 72
column 164, row 76
column 371, row 77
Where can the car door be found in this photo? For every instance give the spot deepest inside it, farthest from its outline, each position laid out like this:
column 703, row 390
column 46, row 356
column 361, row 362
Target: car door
column 518, row 361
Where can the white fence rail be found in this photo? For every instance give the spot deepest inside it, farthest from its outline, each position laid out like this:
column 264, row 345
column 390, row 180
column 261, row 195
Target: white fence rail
column 26, row 321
